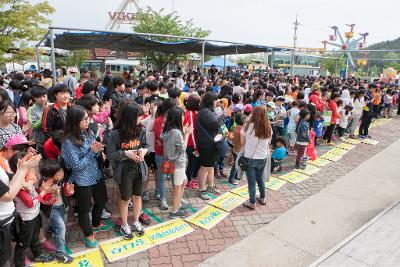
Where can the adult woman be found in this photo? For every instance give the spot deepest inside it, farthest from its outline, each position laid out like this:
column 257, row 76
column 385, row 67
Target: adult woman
column 7, row 119
column 335, row 117
column 207, row 126
column 358, row 106
column 192, row 105
column 89, row 102
column 255, row 138
column 80, row 151
column 315, row 98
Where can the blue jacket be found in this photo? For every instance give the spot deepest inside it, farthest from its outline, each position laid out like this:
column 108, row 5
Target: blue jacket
column 82, row 162
column 303, row 134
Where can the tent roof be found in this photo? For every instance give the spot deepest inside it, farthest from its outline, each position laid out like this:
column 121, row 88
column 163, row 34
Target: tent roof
column 219, row 63
column 132, row 42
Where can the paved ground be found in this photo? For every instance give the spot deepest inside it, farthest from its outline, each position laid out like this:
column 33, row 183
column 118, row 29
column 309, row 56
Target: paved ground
column 202, row 244
column 376, row 244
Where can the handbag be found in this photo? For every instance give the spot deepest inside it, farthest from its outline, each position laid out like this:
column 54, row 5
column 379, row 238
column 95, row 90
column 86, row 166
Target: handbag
column 244, row 162
column 168, row 167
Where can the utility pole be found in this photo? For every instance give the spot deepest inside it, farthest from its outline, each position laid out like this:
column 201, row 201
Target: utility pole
column 296, row 26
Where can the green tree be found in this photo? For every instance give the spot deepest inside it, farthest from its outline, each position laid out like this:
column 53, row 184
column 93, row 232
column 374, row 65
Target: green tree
column 393, row 64
column 21, row 21
column 151, row 21
column 75, row 58
column 331, row 64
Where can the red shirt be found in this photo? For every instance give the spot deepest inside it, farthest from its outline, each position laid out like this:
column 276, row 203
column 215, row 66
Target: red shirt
column 78, row 92
column 51, row 150
column 335, row 114
column 158, row 129
column 188, row 121
column 316, row 99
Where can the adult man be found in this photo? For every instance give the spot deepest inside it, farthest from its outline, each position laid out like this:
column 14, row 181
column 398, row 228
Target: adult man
column 70, row 81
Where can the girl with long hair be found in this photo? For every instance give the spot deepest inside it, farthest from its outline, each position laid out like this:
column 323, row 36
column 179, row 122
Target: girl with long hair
column 256, row 138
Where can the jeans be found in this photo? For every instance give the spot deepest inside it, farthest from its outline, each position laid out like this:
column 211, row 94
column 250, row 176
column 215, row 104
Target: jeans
column 329, row 132
column 58, row 218
column 193, row 164
column 254, row 175
column 160, row 177
column 233, row 174
column 365, row 122
column 219, row 165
column 84, row 195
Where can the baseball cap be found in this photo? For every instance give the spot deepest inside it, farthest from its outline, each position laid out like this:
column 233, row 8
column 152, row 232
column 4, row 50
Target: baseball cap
column 17, row 139
column 248, row 108
column 73, row 70
column 271, row 104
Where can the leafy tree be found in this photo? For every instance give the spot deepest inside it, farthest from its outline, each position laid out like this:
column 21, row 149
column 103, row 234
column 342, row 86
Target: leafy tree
column 75, row 58
column 333, row 65
column 151, row 21
column 393, row 64
column 21, row 21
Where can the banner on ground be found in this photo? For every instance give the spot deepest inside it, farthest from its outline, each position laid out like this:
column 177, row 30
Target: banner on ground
column 86, row 258
column 294, row 177
column 228, row 201
column 338, row 151
column 346, row 146
column 319, row 162
column 119, row 248
column 207, row 217
column 331, row 156
column 242, row 191
column 370, row 142
column 309, row 170
column 352, row 141
column 167, row 231
column 274, row 183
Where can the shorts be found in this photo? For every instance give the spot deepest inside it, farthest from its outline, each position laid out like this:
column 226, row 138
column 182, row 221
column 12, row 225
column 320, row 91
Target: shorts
column 208, row 156
column 179, row 176
column 150, row 160
column 131, row 181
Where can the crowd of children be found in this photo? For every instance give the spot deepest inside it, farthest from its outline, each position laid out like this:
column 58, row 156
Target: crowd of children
column 63, row 141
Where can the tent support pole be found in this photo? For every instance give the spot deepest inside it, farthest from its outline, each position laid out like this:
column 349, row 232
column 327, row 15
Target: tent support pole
column 37, row 58
column 53, row 57
column 224, row 62
column 203, row 51
column 272, row 61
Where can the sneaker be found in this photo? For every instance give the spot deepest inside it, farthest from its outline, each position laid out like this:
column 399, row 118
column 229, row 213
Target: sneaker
column 234, row 182
column 126, row 232
column 277, row 169
column 306, row 158
column 105, row 214
column 194, row 185
column 249, row 205
column 91, row 241
column 222, row 174
column 163, row 204
column 63, row 258
column 179, row 214
column 43, row 257
column 138, row 229
column 262, row 201
column 213, row 189
column 49, row 247
column 101, row 228
column 184, row 204
column 144, row 218
column 362, row 136
column 145, row 196
column 299, row 166
column 130, row 205
column 203, row 195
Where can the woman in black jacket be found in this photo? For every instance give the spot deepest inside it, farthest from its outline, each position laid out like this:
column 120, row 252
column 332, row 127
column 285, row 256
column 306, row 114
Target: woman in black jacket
column 207, row 126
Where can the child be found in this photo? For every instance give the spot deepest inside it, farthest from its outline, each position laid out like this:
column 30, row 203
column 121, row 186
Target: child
column 27, row 204
column 127, row 148
column 237, row 146
column 387, row 100
column 104, row 120
column 53, row 173
column 279, row 154
column 175, row 140
column 303, row 137
column 52, row 146
column 345, row 115
column 35, row 113
column 291, row 127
